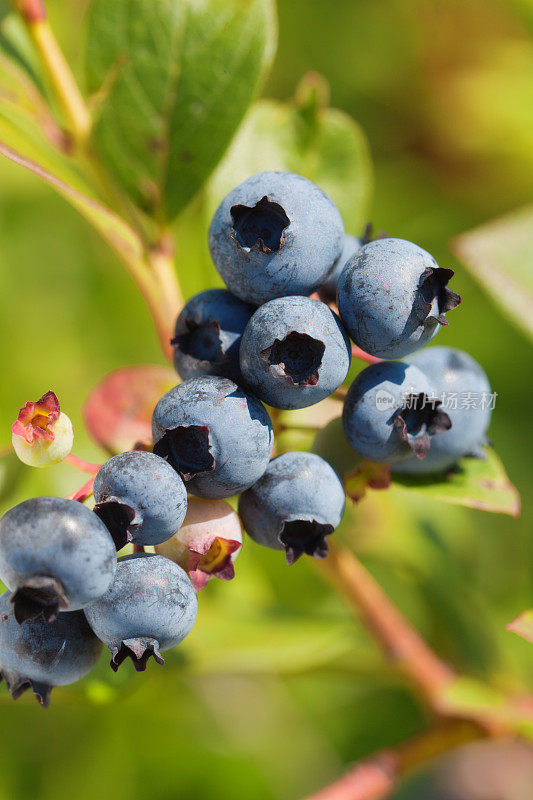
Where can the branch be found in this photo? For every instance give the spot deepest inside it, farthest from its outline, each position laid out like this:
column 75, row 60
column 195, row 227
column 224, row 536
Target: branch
column 377, row 776
column 33, row 12
column 400, row 641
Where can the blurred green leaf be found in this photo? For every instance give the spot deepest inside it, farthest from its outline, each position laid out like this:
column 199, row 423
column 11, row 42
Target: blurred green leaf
column 174, row 80
column 307, row 137
column 473, row 699
column 500, row 255
column 271, row 643
column 118, row 412
column 11, row 470
column 523, row 625
column 110, row 226
column 16, row 44
column 478, row 483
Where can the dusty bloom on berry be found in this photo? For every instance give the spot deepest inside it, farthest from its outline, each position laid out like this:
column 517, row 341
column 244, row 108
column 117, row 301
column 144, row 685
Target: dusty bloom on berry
column 42, row 434
column 208, row 542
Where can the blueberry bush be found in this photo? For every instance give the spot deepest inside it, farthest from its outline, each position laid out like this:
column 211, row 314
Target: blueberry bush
column 304, row 406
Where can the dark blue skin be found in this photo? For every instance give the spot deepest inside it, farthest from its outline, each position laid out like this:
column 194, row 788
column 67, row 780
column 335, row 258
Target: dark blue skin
column 294, row 352
column 150, row 607
column 276, row 234
column 55, row 555
column 294, row 506
column 393, row 297
column 140, row 498
column 218, row 437
column 328, row 290
column 453, row 371
column 39, row 655
column 208, row 334
column 376, row 422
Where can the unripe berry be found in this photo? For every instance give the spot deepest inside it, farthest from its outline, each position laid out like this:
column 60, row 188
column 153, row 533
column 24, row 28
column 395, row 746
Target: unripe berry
column 208, row 542
column 42, row 433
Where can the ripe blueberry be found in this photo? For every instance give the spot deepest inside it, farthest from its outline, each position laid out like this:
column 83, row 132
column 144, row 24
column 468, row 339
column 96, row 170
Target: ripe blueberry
column 150, row 606
column 55, row 554
column 294, row 506
column 294, row 352
column 393, row 297
column 465, row 390
column 275, row 234
column 140, row 498
column 208, row 335
column 218, row 437
column 41, row 655
column 391, row 412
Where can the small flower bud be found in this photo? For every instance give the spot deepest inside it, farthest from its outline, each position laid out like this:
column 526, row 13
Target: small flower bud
column 42, row 434
column 208, row 542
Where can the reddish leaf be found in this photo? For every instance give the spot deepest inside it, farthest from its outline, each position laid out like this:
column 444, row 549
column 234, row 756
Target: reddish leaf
column 523, row 625
column 118, row 411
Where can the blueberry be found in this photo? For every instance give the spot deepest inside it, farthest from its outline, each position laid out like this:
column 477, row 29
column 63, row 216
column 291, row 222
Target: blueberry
column 275, row 234
column 41, row 655
column 218, row 437
column 294, row 506
column 140, row 498
column 208, row 335
column 393, row 297
column 465, row 389
column 150, row 606
column 328, row 290
column 391, row 412
column 55, row 554
column 294, row 352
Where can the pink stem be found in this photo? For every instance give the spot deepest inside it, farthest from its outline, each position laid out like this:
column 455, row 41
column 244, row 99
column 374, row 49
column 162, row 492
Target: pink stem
column 85, row 466
column 83, row 492
column 360, row 354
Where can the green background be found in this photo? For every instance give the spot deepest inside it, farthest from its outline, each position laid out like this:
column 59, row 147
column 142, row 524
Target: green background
column 277, row 690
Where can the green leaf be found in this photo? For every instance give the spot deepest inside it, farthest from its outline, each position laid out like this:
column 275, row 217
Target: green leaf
column 500, row 255
column 469, row 698
column 174, row 79
column 307, row 137
column 478, row 483
column 111, row 227
column 523, row 625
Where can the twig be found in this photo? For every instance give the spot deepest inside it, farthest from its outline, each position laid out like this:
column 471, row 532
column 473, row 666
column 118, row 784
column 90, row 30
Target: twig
column 375, row 777
column 59, row 73
column 395, row 634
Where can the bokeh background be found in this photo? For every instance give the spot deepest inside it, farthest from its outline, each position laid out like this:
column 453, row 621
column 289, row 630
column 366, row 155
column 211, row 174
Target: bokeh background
column 278, row 689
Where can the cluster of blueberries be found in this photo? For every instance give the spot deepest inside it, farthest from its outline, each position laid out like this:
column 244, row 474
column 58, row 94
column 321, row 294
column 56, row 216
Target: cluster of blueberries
column 275, row 239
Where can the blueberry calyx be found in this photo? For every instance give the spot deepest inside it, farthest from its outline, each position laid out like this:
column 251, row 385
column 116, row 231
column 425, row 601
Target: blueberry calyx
column 140, row 650
column 120, row 519
column 298, row 356
column 299, row 536
column 433, row 285
column 18, row 684
column 259, row 226
column 187, row 448
column 39, row 595
column 200, row 342
column 418, row 420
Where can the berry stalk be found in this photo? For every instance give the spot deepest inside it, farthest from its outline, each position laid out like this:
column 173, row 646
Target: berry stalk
column 376, row 777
